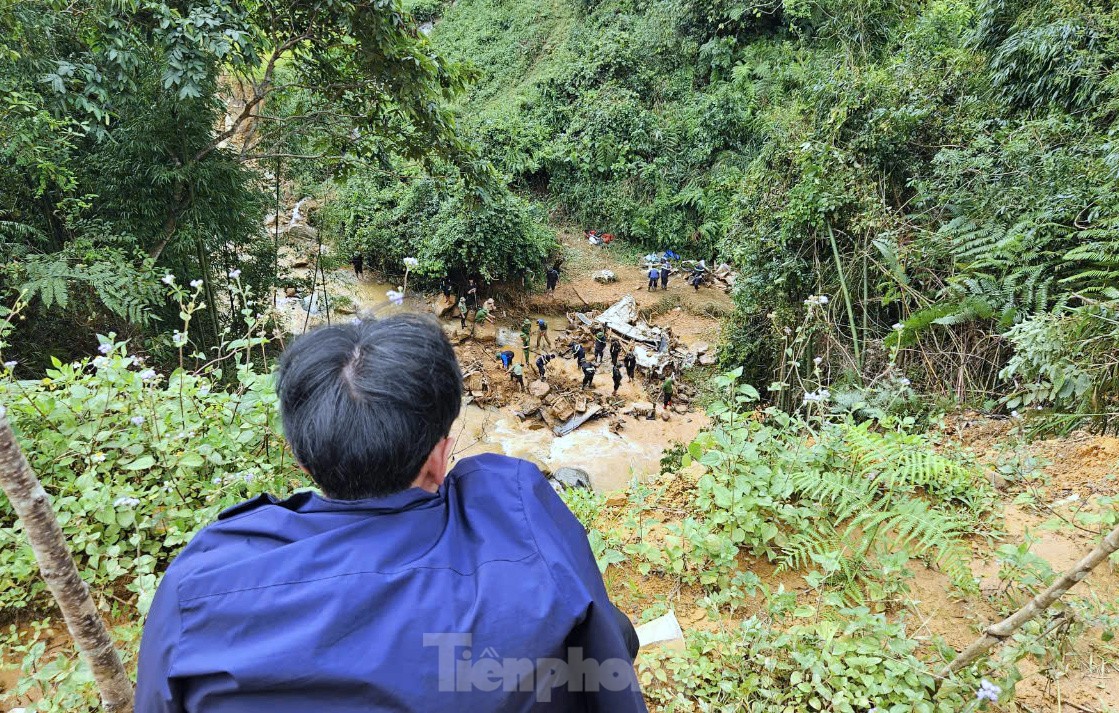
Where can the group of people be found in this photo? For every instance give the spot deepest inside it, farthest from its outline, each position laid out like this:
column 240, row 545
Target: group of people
column 589, row 367
column 660, row 268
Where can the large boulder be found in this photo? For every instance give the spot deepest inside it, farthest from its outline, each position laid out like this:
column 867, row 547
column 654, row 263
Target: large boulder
column 302, row 231
column 707, row 359
column 605, row 276
column 643, row 408
column 539, row 389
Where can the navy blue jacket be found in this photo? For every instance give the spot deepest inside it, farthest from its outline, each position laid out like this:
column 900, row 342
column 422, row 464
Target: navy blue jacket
column 482, row 597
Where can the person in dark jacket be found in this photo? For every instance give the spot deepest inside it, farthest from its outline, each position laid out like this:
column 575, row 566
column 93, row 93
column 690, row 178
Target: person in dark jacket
column 358, row 262
column 578, row 353
column 542, row 363
column 664, row 277
column 615, row 350
column 654, row 275
column 588, row 369
column 385, row 590
column 599, row 345
column 630, row 362
column 552, row 276
column 617, row 374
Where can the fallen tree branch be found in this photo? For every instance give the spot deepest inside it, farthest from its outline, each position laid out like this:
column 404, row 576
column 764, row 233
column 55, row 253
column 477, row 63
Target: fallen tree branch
column 997, row 633
column 86, row 626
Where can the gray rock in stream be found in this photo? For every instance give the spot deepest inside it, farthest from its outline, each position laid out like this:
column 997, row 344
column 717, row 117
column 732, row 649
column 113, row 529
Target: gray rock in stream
column 571, row 478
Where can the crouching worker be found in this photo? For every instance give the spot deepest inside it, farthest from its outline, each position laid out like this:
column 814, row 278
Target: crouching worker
column 400, row 586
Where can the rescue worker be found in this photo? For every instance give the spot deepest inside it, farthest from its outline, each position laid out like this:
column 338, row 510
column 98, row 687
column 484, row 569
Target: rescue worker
column 542, row 362
column 578, row 353
column 615, row 350
column 480, row 315
column 617, row 374
column 552, row 277
column 588, row 369
column 542, row 333
column 631, row 363
column 506, row 358
column 654, row 275
column 524, row 345
column 462, row 310
column 666, row 390
column 517, row 374
column 599, row 345
column 358, row 261
column 664, row 276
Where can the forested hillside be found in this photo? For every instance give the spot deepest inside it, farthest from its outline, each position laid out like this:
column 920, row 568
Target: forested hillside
column 872, row 467
column 949, row 166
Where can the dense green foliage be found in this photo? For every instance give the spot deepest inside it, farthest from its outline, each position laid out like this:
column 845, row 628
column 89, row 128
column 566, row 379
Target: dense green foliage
column 946, row 164
column 137, row 462
column 134, row 137
column 449, row 229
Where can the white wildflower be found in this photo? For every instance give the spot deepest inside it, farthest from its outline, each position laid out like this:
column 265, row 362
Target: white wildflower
column 904, row 381
column 168, row 279
column 100, row 362
column 411, row 262
column 818, row 361
column 898, row 327
column 126, row 502
column 196, row 284
column 147, row 374
column 105, row 348
column 98, row 457
column 137, row 420
column 11, row 364
column 397, row 298
column 234, row 274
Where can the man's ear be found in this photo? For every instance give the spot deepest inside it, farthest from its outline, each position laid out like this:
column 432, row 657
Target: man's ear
column 434, row 470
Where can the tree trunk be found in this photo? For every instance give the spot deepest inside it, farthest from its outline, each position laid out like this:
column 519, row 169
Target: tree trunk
column 996, row 633
column 88, row 630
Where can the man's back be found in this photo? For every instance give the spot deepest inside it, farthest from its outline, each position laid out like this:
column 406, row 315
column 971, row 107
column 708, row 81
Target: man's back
column 465, row 599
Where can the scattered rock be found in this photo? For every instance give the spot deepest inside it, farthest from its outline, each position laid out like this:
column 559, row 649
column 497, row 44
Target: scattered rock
column 539, row 389
column 701, row 347
column 605, row 276
column 289, row 292
column 616, row 499
column 572, row 478
column 300, row 262
column 680, row 408
column 664, row 414
column 706, row 359
column 581, row 405
column 341, row 307
column 643, row 408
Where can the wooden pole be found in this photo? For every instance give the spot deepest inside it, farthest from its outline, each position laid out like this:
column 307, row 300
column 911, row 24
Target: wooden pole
column 997, row 633
column 33, row 507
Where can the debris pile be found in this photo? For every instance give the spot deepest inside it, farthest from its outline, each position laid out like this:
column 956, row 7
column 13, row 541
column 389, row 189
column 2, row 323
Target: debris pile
column 559, row 400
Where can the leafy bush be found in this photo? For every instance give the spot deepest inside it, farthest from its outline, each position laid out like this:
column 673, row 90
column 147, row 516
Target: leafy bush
column 805, row 658
column 1067, row 362
column 450, row 230
column 136, row 462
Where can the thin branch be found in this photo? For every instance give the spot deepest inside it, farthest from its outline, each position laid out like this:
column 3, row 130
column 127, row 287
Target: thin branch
column 997, row 633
